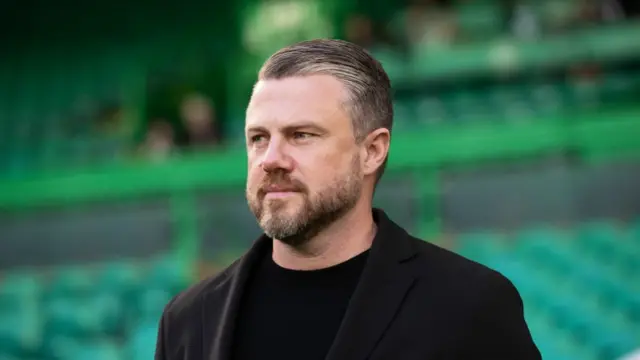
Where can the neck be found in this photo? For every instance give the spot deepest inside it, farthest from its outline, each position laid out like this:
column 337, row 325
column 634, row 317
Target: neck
column 347, row 237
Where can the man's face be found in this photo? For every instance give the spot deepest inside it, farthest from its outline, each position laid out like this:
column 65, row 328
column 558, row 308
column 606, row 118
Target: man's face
column 304, row 164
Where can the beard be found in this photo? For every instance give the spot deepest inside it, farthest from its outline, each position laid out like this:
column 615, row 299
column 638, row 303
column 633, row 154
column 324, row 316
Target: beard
column 296, row 219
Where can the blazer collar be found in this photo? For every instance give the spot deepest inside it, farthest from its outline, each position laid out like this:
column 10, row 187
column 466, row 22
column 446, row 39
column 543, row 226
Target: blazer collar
column 383, row 286
column 224, row 305
column 380, row 291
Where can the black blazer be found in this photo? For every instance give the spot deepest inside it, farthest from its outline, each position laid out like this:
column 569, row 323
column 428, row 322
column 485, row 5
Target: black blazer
column 414, row 301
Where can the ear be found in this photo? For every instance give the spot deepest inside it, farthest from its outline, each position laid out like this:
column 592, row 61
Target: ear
column 375, row 150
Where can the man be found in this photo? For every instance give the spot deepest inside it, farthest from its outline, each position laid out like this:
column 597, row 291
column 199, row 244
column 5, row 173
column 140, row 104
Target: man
column 331, row 278
column 198, row 116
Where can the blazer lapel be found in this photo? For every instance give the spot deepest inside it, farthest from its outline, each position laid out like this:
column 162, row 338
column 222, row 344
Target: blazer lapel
column 220, row 306
column 385, row 282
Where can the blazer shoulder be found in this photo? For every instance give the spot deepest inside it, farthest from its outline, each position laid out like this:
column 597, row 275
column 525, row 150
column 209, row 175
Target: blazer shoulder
column 189, row 300
column 486, row 301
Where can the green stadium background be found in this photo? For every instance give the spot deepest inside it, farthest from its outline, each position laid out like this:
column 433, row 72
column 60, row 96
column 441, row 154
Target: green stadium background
column 505, row 150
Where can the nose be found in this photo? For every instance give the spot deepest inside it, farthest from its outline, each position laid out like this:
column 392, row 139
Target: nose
column 275, row 158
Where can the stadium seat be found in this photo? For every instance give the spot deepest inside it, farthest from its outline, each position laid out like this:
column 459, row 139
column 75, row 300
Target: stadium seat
column 550, row 248
column 72, row 282
column 635, row 232
column 167, row 273
column 480, row 246
column 142, row 342
column 120, row 277
column 151, row 303
column 599, row 239
column 102, row 350
column 20, row 331
column 8, row 357
column 69, row 348
column 18, row 289
column 86, row 317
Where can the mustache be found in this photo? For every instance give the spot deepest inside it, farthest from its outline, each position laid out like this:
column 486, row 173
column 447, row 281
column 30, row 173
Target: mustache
column 281, row 181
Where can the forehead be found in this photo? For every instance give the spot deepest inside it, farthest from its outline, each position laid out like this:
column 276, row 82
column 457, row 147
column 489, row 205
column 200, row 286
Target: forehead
column 281, row 102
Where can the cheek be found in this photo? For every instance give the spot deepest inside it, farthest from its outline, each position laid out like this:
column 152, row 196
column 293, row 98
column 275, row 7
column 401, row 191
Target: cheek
column 325, row 168
column 253, row 162
column 254, row 175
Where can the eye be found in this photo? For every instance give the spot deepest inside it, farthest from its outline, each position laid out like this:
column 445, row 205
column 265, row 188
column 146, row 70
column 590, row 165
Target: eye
column 256, row 138
column 302, row 135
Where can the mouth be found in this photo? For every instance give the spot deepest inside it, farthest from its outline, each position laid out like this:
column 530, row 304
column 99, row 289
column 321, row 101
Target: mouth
column 278, row 189
column 279, row 194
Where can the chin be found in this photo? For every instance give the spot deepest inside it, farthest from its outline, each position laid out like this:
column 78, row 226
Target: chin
column 283, row 207
column 280, row 202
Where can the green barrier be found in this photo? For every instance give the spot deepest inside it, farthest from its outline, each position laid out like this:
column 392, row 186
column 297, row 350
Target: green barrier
column 428, row 149
column 599, row 44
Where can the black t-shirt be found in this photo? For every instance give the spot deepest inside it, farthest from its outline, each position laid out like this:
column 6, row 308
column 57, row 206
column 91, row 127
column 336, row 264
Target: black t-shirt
column 292, row 315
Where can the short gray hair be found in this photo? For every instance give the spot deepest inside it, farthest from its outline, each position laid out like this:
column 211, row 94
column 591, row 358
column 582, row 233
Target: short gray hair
column 369, row 102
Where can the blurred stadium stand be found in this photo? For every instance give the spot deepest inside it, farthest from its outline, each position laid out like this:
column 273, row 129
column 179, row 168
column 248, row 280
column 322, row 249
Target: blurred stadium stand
column 516, row 144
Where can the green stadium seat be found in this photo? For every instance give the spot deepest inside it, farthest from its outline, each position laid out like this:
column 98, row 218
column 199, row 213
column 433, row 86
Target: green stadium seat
column 20, row 330
column 19, row 286
column 635, row 232
column 16, row 357
column 72, row 317
column 142, row 342
column 168, row 273
column 529, row 281
column 549, row 339
column 546, row 247
column 119, row 277
column 102, row 350
column 599, row 237
column 112, row 311
column 59, row 346
column 70, row 348
column 622, row 296
column 72, row 282
column 611, row 343
column 568, row 348
column 611, row 246
column 480, row 246
column 151, row 303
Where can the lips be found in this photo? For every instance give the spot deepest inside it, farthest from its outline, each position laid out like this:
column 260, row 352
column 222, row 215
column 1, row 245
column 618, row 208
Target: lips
column 279, row 189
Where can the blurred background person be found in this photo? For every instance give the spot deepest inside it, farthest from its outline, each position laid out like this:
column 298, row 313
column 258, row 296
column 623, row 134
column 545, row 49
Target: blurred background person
column 198, row 117
column 160, row 140
column 430, row 23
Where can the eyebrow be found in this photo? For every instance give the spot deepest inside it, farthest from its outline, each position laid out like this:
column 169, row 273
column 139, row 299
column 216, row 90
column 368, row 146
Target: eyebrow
column 291, row 128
